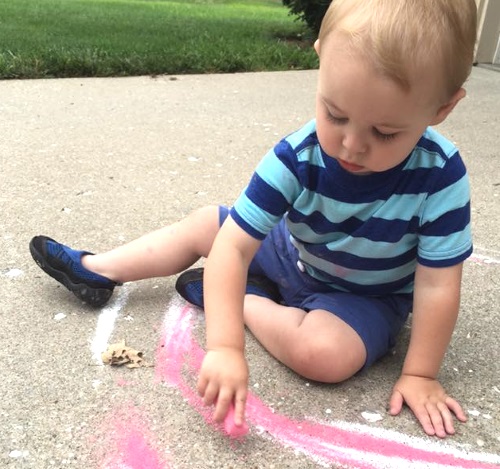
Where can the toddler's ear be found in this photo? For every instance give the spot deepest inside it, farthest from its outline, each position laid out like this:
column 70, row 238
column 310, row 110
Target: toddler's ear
column 443, row 112
column 316, row 46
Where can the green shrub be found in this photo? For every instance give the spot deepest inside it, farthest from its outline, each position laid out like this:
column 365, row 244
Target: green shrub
column 310, row 11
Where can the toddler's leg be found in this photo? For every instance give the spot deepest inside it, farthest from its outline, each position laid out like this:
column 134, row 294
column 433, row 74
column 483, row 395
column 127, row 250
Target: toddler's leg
column 317, row 345
column 167, row 251
column 161, row 253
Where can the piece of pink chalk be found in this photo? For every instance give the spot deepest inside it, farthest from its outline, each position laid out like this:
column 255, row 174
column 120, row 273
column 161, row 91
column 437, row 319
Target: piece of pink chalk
column 231, row 428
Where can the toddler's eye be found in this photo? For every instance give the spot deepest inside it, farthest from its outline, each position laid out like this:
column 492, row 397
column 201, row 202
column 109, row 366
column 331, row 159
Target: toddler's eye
column 336, row 120
column 382, row 136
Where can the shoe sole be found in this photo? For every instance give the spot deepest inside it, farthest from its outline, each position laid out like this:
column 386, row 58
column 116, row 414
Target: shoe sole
column 270, row 291
column 187, row 277
column 92, row 296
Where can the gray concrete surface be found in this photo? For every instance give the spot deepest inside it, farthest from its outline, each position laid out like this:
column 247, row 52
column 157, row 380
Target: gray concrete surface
column 96, row 162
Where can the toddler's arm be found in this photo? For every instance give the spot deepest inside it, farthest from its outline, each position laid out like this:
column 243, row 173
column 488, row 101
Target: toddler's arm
column 435, row 311
column 224, row 373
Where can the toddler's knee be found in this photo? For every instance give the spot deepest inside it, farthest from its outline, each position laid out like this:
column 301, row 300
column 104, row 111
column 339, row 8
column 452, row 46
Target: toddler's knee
column 204, row 220
column 201, row 227
column 321, row 361
column 209, row 213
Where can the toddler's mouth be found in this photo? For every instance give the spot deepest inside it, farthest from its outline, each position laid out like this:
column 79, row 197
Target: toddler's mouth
column 351, row 167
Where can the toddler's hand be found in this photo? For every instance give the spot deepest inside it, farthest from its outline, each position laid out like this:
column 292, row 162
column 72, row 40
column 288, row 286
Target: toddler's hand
column 429, row 402
column 224, row 379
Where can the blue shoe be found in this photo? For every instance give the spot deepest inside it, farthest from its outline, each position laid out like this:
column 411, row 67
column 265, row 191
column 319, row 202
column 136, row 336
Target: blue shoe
column 64, row 265
column 190, row 286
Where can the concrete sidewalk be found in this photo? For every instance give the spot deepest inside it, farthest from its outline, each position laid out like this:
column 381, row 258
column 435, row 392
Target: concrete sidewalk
column 97, row 162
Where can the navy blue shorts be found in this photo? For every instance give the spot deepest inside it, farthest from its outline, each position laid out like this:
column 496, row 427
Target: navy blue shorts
column 377, row 320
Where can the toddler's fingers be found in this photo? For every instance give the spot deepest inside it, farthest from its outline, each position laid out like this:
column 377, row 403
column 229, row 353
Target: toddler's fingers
column 456, row 408
column 211, row 394
column 437, row 415
column 230, row 426
column 425, row 419
column 447, row 418
column 239, row 407
column 222, row 406
column 396, row 403
column 201, row 386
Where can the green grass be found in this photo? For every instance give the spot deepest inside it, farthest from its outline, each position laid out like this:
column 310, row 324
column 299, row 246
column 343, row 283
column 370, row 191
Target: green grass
column 69, row 38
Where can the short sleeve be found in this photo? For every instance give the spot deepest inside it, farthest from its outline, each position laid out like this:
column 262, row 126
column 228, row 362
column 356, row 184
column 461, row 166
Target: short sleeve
column 445, row 237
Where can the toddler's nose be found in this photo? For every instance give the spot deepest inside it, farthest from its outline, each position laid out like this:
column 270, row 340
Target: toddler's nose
column 354, row 145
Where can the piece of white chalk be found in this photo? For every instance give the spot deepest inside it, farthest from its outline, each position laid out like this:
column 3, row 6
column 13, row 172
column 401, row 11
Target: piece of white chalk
column 233, row 430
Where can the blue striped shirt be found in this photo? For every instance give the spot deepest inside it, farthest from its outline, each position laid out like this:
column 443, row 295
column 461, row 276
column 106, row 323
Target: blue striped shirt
column 362, row 234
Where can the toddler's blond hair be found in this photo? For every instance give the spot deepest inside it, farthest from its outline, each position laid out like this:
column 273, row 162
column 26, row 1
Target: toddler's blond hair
column 405, row 38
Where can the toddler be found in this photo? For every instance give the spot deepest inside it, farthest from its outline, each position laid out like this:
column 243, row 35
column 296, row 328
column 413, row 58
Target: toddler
column 347, row 225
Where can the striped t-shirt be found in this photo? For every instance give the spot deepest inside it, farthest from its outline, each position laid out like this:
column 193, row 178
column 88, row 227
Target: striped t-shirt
column 362, row 233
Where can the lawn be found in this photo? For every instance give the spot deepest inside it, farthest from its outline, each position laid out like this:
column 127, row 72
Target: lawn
column 68, row 38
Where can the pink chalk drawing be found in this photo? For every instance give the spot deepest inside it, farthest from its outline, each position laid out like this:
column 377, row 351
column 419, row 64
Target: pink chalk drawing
column 230, row 428
column 128, row 442
column 341, row 443
column 482, row 259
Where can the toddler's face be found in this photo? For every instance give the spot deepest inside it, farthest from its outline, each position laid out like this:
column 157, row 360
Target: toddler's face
column 365, row 120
